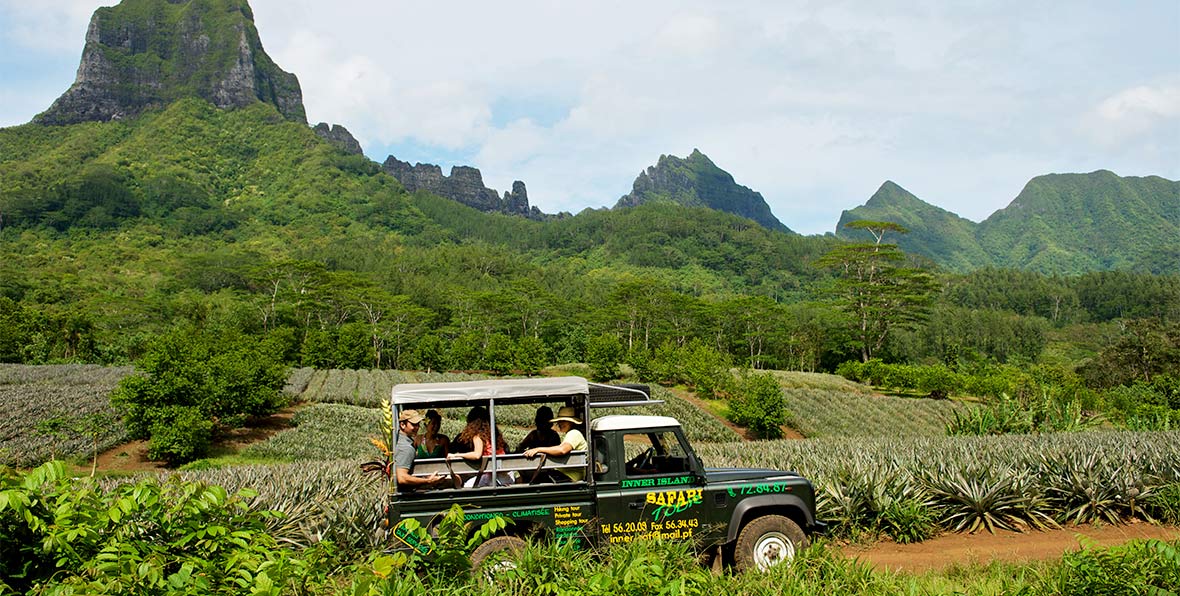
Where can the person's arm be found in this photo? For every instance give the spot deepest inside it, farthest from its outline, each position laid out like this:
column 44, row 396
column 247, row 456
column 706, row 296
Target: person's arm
column 561, row 449
column 475, row 453
column 405, row 478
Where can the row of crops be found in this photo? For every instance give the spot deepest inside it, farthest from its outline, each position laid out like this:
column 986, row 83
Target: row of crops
column 891, row 486
column 971, row 483
column 57, row 411
column 826, row 413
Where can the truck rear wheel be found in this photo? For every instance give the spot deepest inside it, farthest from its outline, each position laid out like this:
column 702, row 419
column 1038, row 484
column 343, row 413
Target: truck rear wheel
column 496, row 554
column 768, row 541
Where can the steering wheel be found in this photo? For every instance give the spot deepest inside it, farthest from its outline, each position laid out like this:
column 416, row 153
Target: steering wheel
column 643, row 460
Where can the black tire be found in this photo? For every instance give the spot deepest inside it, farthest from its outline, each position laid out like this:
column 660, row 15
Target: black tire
column 484, row 563
column 768, row 541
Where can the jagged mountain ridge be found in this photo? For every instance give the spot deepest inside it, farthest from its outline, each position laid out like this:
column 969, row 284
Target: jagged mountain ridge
column 1059, row 223
column 464, row 185
column 696, row 181
column 143, row 55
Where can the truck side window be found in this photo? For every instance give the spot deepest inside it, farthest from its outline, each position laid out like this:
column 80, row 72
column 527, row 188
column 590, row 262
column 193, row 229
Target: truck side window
column 654, row 453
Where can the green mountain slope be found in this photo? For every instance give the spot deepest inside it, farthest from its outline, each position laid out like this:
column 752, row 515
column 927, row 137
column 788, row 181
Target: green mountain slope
column 1059, row 224
column 933, row 232
column 1067, row 223
column 695, row 181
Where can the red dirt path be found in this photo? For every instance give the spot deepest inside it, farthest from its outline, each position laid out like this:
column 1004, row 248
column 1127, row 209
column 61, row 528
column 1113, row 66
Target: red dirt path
column 133, row 457
column 943, row 551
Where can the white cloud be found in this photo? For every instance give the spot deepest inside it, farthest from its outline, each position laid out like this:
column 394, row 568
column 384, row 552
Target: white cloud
column 1135, row 113
column 58, row 26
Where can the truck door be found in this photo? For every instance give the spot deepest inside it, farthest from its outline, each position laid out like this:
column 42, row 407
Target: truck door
column 655, row 493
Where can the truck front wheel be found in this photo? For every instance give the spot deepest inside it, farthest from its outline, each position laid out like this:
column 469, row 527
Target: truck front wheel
column 768, row 541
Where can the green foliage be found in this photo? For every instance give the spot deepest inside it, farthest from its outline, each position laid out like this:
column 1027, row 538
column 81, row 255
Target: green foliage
column 1149, row 566
column 1124, row 227
column 192, row 383
column 1163, row 504
column 696, row 364
column 170, row 537
column 756, row 402
column 179, row 434
column 603, row 354
column 1144, row 350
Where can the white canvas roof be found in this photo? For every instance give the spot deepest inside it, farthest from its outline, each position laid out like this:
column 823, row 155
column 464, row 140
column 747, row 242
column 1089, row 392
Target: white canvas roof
column 437, row 393
column 630, row 422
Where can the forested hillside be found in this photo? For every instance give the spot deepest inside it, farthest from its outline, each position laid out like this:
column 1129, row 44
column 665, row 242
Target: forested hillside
column 241, row 219
column 1059, row 224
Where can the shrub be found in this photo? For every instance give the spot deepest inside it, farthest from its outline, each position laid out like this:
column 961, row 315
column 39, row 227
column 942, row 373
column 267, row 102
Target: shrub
column 531, row 355
column 705, row 369
column 1163, row 504
column 221, row 380
column 757, row 403
column 1149, row 566
column 151, row 537
column 180, row 435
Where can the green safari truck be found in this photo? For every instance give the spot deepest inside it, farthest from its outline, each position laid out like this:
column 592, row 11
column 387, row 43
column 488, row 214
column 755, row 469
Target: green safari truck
column 640, row 478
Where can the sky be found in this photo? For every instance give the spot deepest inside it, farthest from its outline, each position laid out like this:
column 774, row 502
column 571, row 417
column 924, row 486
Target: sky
column 812, row 104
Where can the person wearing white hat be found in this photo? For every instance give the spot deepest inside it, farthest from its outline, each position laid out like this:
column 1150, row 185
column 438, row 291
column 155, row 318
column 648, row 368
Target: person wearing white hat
column 572, row 439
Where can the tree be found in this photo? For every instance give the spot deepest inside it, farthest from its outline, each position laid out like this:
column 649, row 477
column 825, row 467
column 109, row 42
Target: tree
column 874, row 289
column 757, row 403
column 192, row 383
column 603, row 354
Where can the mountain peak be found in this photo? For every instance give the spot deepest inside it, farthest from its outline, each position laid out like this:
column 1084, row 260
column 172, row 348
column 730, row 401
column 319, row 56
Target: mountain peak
column 142, row 54
column 696, row 181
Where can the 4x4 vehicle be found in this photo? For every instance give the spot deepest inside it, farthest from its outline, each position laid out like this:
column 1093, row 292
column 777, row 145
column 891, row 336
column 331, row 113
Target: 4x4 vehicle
column 641, row 479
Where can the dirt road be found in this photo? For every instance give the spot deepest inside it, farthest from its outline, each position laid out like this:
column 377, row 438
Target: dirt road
column 942, row 551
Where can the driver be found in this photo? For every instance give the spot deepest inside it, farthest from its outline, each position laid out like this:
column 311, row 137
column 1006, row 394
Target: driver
column 572, row 439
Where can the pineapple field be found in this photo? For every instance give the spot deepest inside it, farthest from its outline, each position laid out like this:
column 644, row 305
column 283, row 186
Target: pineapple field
column 880, row 463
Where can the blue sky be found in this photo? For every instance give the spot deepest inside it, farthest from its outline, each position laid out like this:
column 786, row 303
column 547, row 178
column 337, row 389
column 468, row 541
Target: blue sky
column 813, row 104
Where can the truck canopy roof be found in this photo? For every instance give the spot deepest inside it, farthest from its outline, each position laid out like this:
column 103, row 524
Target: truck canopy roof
column 630, row 422
column 466, row 391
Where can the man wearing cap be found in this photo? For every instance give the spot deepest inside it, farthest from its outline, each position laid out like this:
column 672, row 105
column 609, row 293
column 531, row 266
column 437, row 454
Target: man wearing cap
column 404, row 452
column 571, row 440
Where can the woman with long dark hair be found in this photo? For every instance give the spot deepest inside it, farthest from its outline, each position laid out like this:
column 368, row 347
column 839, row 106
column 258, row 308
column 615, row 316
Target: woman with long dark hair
column 478, row 434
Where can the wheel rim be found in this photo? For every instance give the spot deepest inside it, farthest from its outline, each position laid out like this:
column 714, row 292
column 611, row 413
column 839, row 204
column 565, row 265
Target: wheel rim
column 771, row 549
column 493, row 569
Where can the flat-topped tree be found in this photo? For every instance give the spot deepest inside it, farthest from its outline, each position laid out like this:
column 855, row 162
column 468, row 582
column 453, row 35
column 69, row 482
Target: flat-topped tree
column 874, row 289
column 876, row 228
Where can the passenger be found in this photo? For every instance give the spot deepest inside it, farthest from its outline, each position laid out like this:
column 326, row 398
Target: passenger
column 432, row 444
column 404, row 453
column 543, row 435
column 571, row 440
column 476, row 413
column 478, row 434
